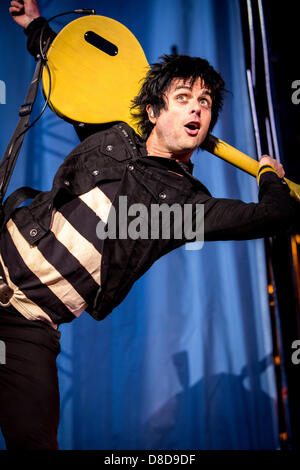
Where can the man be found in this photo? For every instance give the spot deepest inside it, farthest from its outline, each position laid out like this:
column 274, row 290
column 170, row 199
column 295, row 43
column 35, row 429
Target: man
column 57, row 267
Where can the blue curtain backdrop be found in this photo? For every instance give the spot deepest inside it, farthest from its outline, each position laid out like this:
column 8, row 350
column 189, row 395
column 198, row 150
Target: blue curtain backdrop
column 185, row 362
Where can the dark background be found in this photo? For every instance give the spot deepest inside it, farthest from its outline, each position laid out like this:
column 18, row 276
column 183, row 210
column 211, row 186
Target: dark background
column 283, row 26
column 282, row 23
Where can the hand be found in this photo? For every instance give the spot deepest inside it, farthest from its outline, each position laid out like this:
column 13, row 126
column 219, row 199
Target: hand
column 24, row 12
column 266, row 160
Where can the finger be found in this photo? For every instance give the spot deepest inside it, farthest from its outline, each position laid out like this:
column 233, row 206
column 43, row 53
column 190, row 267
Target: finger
column 16, row 4
column 16, row 12
column 265, row 157
column 266, row 160
column 16, row 7
column 13, row 10
column 279, row 169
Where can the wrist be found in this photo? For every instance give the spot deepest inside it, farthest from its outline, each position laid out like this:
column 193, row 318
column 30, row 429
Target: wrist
column 264, row 169
column 33, row 24
column 27, row 22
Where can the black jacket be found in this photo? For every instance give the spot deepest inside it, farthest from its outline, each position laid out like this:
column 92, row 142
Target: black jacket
column 119, row 152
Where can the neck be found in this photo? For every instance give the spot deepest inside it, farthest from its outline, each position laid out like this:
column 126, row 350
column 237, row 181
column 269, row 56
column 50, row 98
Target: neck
column 156, row 150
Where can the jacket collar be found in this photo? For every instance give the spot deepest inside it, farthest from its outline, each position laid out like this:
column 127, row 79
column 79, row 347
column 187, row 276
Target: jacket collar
column 138, row 149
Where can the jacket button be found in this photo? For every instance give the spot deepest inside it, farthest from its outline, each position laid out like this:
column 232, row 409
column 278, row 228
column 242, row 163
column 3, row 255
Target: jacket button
column 109, row 148
column 95, row 172
column 130, row 167
column 162, row 195
column 67, row 183
column 33, row 232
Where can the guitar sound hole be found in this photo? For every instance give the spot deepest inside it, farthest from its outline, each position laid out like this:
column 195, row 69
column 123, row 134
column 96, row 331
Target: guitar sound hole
column 101, row 43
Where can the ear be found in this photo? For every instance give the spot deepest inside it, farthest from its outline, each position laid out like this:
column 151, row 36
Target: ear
column 150, row 113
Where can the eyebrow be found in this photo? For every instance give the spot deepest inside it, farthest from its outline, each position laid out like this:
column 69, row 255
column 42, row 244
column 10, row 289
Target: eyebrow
column 187, row 87
column 179, row 87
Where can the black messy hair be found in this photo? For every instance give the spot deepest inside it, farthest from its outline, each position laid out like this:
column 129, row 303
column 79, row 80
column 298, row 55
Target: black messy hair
column 158, row 80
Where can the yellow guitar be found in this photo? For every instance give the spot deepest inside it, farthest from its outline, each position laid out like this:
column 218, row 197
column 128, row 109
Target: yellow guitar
column 97, row 67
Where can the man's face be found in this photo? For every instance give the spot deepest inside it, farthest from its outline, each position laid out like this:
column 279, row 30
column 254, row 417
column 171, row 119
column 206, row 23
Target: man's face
column 183, row 125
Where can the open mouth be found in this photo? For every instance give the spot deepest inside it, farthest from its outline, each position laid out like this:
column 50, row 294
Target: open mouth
column 192, row 127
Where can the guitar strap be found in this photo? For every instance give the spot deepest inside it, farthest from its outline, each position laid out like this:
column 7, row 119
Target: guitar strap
column 10, row 156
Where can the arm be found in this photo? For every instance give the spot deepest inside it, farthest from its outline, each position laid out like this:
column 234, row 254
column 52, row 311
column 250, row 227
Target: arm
column 27, row 15
column 276, row 211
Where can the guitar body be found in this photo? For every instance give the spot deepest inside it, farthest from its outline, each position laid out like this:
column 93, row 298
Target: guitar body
column 96, row 67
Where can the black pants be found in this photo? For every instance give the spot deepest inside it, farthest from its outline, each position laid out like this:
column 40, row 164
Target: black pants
column 29, row 396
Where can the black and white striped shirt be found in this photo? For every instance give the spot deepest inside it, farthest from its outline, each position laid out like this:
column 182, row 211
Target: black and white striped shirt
column 60, row 275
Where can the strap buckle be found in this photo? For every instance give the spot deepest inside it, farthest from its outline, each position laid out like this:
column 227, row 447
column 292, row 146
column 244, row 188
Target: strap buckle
column 6, row 293
column 25, row 109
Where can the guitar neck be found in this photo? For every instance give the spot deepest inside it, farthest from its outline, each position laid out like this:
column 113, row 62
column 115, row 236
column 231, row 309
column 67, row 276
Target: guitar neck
column 241, row 160
column 232, row 155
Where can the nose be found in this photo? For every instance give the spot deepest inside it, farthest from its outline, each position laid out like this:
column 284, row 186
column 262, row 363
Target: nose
column 195, row 107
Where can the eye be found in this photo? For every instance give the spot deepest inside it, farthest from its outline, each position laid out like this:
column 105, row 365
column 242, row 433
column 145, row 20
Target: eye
column 181, row 97
column 205, row 102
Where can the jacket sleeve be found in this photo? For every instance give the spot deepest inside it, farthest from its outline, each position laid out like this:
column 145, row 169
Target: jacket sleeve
column 33, row 33
column 231, row 219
